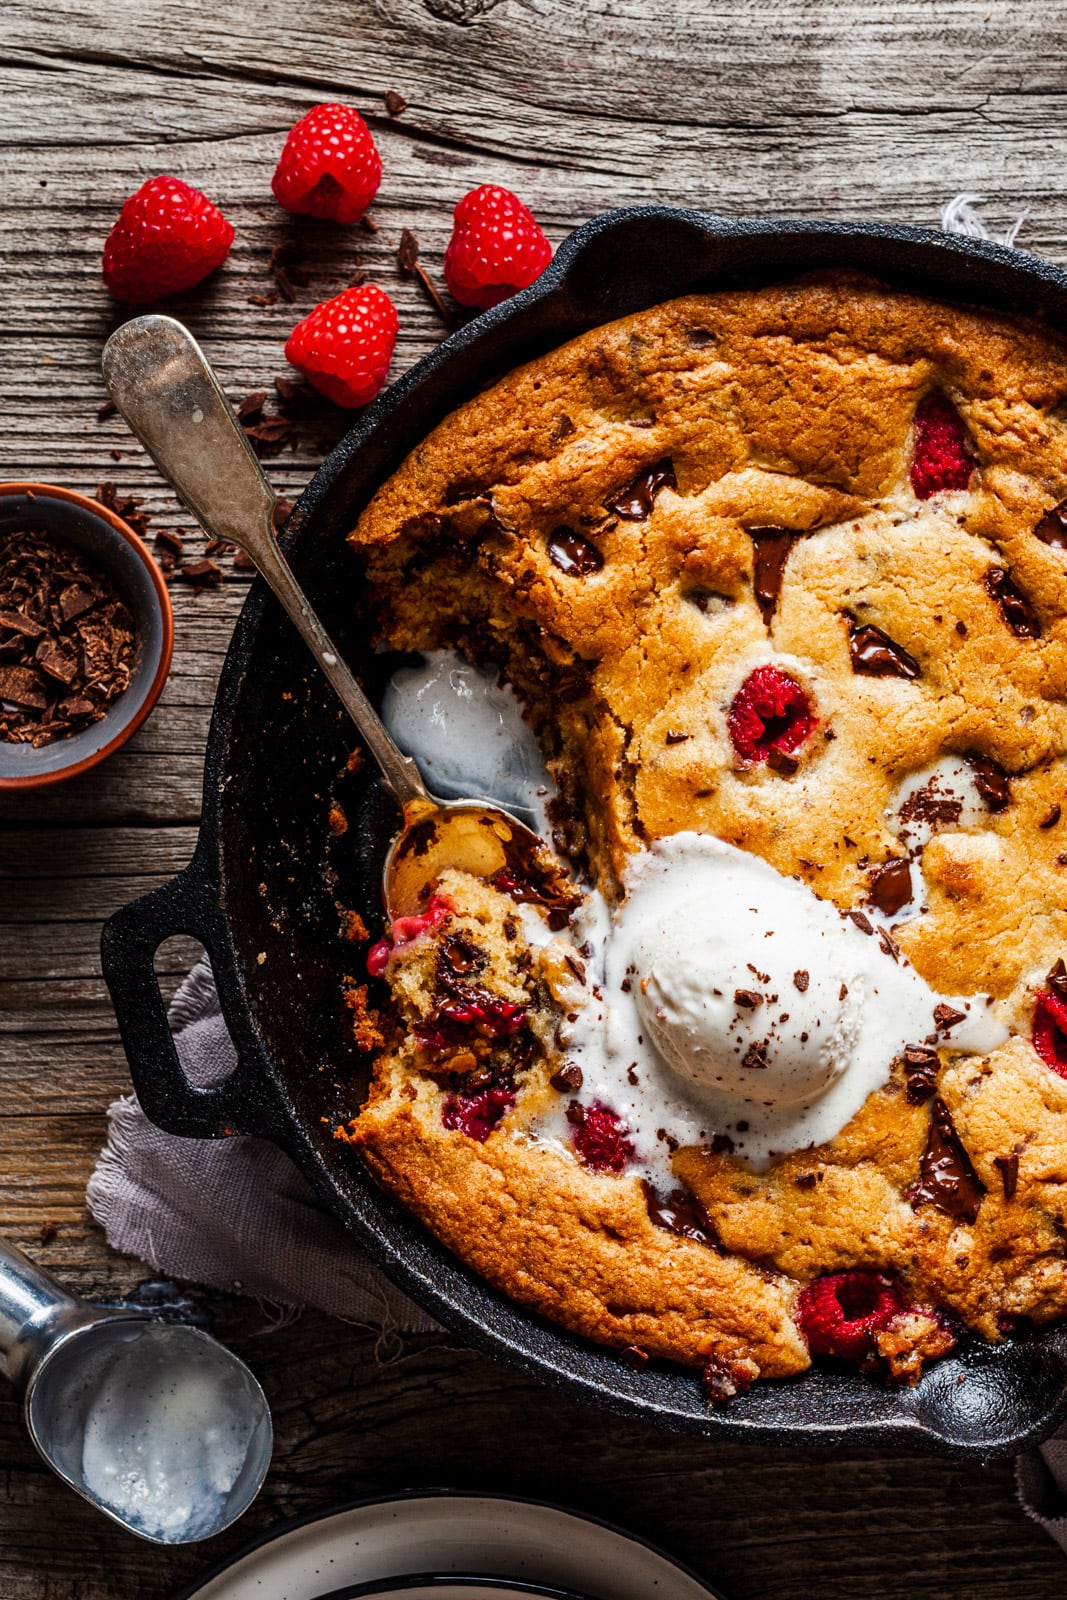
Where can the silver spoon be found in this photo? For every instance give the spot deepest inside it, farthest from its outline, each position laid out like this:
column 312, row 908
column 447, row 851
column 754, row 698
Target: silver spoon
column 104, row 1394
column 160, row 380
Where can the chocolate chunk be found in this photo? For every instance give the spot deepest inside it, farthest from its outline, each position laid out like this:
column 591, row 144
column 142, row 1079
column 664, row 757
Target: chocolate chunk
column 771, row 552
column 22, row 688
column 572, row 553
column 576, row 1113
column 677, row 738
column 569, row 1079
column 890, row 887
column 1051, row 820
column 947, row 1016
column 1056, row 980
column 635, row 502
column 395, row 103
column 947, row 1178
column 1016, row 610
column 755, row 1058
column 990, row 780
column 200, row 572
column 863, row 923
column 805, row 1180
column 801, row 979
column 722, row 1145
column 723, row 1379
column 1008, row 1167
column 679, row 1212
column 921, row 1067
column 875, row 655
column 76, row 600
column 15, row 622
column 747, row 998
column 1052, row 529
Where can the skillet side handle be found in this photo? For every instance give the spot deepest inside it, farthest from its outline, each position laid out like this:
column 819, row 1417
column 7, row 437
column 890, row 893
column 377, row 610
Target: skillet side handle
column 128, row 945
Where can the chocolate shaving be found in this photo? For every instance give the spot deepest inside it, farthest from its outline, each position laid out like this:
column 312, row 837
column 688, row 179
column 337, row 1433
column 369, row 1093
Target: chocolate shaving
column 1014, row 607
column 748, row 998
column 1051, row 819
column 677, row 738
column 755, row 1058
column 991, row 781
column 771, row 552
column 1008, row 1167
column 108, row 409
column 68, row 639
column 286, row 270
column 947, row 1016
column 875, row 655
column 947, row 1178
column 407, row 253
column 863, row 923
column 635, row 502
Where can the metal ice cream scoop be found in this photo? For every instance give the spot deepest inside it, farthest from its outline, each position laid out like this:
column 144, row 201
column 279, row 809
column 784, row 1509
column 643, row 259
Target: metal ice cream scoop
column 156, row 1424
column 160, row 380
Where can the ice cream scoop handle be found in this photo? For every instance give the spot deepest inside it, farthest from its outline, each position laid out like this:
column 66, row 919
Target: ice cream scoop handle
column 162, row 383
column 30, row 1303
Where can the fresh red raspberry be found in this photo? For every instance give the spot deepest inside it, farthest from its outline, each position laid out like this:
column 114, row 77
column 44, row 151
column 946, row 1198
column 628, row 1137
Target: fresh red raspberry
column 167, row 237
column 329, row 166
column 943, row 456
column 840, row 1314
column 496, row 248
column 477, row 1115
column 771, row 715
column 601, row 1141
column 1050, row 1032
column 345, row 345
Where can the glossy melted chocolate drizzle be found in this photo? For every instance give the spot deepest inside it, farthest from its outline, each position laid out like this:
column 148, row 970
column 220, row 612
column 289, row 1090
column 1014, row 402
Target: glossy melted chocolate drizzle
column 1014, row 607
column 875, row 655
column 572, row 553
column 635, row 502
column 947, row 1178
column 771, row 547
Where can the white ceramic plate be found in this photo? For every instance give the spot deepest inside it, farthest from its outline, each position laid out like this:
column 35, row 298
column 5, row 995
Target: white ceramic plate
column 446, row 1532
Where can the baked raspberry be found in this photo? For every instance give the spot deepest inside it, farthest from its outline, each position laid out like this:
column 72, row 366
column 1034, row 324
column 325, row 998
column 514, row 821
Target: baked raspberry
column 1050, row 1032
column 601, row 1139
column 403, row 930
column 345, row 345
column 943, row 456
column 168, row 236
column 771, row 714
column 477, row 1115
column 496, row 248
column 329, row 166
column 840, row 1314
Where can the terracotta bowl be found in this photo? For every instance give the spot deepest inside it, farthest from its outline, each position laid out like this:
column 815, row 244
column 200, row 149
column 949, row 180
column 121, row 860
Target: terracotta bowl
column 99, row 533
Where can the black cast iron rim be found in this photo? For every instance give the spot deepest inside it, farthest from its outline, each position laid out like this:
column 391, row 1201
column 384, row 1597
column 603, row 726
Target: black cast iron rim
column 982, row 1402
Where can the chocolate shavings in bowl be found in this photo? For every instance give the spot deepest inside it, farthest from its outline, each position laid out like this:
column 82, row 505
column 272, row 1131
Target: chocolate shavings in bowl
column 66, row 640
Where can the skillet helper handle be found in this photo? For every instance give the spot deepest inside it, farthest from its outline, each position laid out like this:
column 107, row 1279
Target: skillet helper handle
column 161, row 381
column 241, row 1103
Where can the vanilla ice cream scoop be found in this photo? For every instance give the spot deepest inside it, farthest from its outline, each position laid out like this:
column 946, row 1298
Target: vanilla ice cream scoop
column 730, row 1000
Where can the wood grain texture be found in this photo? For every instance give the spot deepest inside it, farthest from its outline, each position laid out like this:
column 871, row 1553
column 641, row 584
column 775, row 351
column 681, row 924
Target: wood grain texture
column 881, row 110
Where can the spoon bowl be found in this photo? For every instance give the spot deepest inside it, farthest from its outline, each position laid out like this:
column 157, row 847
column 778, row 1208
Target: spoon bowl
column 157, row 1425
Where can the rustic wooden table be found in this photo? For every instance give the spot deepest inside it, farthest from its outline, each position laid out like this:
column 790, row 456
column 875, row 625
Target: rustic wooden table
column 806, row 106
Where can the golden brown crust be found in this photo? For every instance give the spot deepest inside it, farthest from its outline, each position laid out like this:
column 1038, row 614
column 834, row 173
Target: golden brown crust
column 786, row 407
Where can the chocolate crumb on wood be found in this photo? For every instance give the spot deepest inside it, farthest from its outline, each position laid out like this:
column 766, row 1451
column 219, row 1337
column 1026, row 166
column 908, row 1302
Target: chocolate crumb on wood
column 395, row 103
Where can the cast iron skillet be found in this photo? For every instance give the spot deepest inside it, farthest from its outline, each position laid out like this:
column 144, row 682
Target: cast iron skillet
column 257, row 896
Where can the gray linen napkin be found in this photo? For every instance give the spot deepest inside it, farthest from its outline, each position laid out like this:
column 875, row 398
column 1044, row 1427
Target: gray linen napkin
column 236, row 1214
column 233, row 1213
